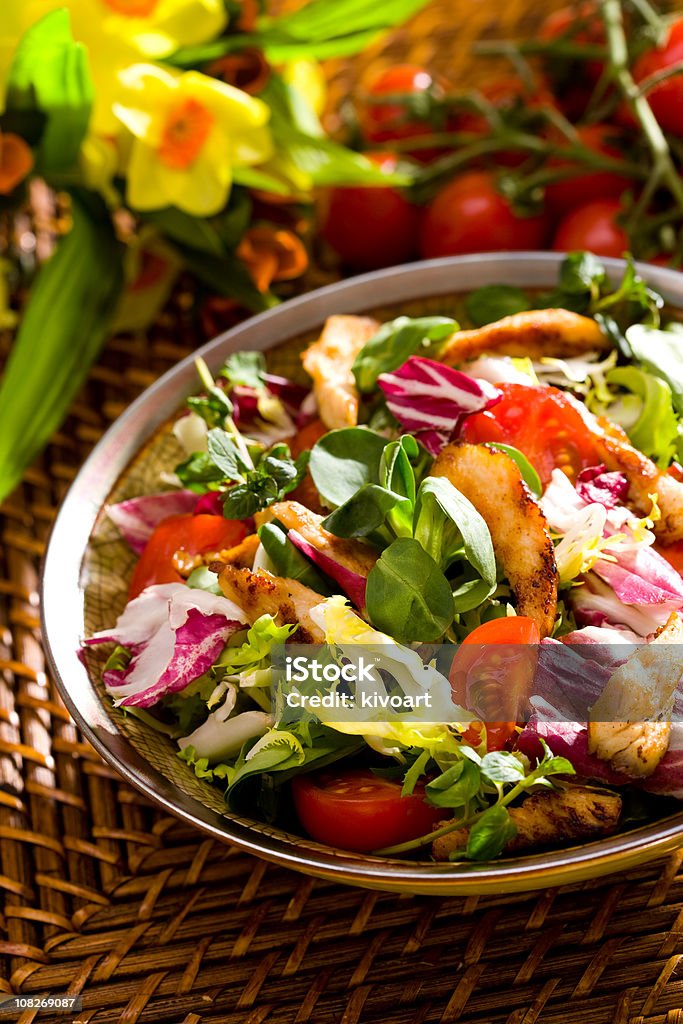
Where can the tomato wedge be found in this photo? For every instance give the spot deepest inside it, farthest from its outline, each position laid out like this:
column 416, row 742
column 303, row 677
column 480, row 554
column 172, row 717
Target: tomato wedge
column 541, row 422
column 492, row 682
column 353, row 809
column 193, row 534
column 673, row 554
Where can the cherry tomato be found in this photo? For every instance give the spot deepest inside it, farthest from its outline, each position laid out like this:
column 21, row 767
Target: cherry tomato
column 493, row 683
column 586, row 186
column 355, row 810
column 470, row 215
column 384, row 122
column 666, row 99
column 594, row 227
column 673, row 554
column 372, row 227
column 543, row 423
column 580, row 23
column 194, row 534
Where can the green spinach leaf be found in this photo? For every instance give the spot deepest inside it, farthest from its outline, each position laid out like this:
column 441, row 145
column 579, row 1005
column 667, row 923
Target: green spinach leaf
column 395, row 342
column 408, row 595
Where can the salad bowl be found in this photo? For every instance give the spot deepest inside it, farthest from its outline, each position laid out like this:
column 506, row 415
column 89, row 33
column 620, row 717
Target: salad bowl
column 86, row 563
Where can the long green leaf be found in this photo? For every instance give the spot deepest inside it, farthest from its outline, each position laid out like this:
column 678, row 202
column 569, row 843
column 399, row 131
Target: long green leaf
column 50, row 75
column 62, row 329
column 319, row 31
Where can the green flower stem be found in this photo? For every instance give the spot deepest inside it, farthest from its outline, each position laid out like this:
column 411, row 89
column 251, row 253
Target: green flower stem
column 663, row 171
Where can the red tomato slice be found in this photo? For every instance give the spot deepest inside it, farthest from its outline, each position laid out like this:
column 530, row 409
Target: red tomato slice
column 491, row 683
column 543, row 423
column 673, row 554
column 193, row 534
column 356, row 810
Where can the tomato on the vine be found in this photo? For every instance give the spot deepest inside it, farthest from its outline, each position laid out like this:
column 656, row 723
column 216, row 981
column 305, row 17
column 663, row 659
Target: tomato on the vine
column 495, row 685
column 386, row 122
column 665, row 99
column 371, row 227
column 543, row 423
column 580, row 23
column 192, row 534
column 593, row 226
column 470, row 215
column 586, row 185
column 357, row 810
column 504, row 94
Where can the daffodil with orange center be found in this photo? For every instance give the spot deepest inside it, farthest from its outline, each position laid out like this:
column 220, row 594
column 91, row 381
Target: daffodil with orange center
column 116, row 33
column 188, row 134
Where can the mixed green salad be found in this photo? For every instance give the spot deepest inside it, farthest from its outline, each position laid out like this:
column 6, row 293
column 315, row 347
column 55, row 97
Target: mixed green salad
column 480, row 503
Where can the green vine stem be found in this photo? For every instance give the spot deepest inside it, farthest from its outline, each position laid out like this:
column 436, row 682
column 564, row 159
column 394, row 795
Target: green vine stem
column 663, row 170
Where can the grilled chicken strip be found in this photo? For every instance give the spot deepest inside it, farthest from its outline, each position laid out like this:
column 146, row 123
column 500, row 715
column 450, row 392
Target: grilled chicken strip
column 328, row 361
column 519, row 529
column 536, row 333
column 576, row 814
column 629, row 723
column 352, row 554
column 259, row 594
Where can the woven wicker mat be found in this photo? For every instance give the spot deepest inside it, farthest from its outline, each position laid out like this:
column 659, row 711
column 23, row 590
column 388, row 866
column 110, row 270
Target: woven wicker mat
column 107, row 898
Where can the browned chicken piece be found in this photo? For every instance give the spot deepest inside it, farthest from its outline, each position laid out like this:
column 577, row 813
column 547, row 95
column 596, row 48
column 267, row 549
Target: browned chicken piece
column 536, row 333
column 260, row 594
column 328, row 362
column 241, row 555
column 645, row 478
column 518, row 527
column 550, row 818
column 629, row 723
column 352, row 554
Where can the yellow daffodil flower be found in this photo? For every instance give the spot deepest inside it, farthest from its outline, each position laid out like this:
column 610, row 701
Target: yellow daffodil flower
column 156, row 28
column 116, row 33
column 188, row 132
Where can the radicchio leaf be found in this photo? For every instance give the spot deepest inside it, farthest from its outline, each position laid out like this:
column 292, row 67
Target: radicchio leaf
column 430, row 400
column 595, row 484
column 351, row 583
column 174, row 634
column 137, row 518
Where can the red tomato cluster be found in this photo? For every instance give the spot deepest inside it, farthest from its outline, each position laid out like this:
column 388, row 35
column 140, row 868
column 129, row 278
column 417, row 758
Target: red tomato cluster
column 580, row 207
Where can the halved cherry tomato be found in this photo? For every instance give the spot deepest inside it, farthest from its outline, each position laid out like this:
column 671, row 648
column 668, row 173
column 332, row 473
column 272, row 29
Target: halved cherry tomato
column 586, row 185
column 666, row 99
column 354, row 809
column 193, row 534
column 372, row 227
column 493, row 682
column 306, row 437
column 543, row 423
column 384, row 122
column 593, row 226
column 673, row 554
column 470, row 215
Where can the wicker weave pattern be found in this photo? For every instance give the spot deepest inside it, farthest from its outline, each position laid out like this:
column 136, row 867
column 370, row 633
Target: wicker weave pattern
column 105, row 897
